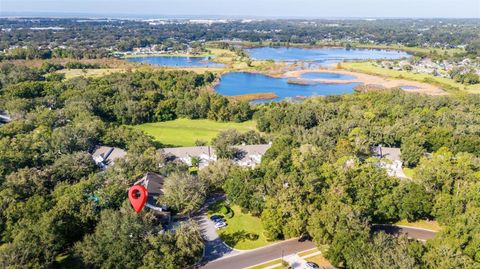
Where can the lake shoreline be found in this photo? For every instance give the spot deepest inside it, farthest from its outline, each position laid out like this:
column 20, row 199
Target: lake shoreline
column 367, row 79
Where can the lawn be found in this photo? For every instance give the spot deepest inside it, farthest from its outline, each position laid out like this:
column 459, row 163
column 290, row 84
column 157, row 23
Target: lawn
column 244, row 231
column 446, row 83
column 409, row 172
column 184, row 132
column 320, row 260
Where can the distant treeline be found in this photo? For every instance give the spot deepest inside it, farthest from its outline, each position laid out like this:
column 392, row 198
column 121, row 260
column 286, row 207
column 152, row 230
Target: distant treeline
column 94, row 39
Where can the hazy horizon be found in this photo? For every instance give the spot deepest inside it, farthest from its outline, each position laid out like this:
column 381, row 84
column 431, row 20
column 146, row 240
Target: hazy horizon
column 243, row 8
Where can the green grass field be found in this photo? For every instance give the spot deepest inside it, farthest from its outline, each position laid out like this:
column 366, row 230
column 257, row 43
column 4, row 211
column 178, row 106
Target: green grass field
column 244, row 231
column 446, row 83
column 184, row 132
column 70, row 73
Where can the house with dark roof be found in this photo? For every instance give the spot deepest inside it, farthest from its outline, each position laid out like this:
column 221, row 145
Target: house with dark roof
column 105, row 156
column 153, row 182
column 4, row 118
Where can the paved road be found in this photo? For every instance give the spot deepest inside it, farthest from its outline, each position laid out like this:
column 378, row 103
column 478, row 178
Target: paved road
column 417, row 233
column 253, row 257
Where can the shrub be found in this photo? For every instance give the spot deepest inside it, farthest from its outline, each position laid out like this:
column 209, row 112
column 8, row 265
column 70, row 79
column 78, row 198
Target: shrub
column 224, row 210
column 252, row 236
column 229, row 215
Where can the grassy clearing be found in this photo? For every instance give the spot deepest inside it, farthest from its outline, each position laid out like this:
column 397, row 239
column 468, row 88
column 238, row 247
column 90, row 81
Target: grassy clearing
column 320, row 260
column 424, row 224
column 184, row 132
column 244, row 231
column 446, row 83
column 253, row 96
column 277, row 262
column 70, row 73
column 409, row 172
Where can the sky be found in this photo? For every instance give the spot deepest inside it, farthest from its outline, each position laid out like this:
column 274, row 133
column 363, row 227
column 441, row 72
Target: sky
column 249, row 8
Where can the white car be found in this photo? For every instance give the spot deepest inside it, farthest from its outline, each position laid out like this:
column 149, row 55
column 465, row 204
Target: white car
column 311, row 265
column 220, row 224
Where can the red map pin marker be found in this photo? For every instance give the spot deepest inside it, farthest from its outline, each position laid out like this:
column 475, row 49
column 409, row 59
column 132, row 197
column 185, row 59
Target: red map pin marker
column 138, row 197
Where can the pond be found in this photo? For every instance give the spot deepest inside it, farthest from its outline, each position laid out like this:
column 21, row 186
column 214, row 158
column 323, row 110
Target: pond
column 176, row 61
column 322, row 56
column 239, row 83
column 327, row 75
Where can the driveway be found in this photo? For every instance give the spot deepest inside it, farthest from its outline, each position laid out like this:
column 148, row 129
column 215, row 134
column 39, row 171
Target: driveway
column 215, row 248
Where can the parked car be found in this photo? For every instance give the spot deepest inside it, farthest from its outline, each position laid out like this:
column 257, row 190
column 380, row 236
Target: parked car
column 217, row 218
column 220, row 225
column 311, row 265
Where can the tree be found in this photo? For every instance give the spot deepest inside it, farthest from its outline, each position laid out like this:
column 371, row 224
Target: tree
column 120, row 238
column 184, row 193
column 412, row 150
column 216, row 173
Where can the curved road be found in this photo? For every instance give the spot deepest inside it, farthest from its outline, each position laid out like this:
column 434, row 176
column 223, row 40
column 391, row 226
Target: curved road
column 239, row 260
column 411, row 232
column 260, row 255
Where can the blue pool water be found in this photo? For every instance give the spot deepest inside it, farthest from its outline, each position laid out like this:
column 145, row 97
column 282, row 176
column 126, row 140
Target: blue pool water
column 176, row 61
column 323, row 75
column 238, row 83
column 322, row 56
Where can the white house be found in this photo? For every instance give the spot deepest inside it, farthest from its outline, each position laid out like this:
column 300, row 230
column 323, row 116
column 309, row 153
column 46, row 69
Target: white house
column 389, row 160
column 247, row 155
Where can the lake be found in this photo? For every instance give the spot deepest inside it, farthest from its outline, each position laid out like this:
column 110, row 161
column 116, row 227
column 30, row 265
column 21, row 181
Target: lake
column 322, row 56
column 175, row 61
column 239, row 83
column 326, row 75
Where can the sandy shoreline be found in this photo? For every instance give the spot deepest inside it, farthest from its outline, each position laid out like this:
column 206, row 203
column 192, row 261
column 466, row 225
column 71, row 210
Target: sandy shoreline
column 369, row 80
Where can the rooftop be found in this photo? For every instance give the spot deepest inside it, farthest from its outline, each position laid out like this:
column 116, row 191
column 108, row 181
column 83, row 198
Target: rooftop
column 392, row 154
column 105, row 155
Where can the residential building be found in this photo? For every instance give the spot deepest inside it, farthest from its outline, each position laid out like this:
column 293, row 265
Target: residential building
column 105, row 156
column 154, row 184
column 247, row 155
column 390, row 159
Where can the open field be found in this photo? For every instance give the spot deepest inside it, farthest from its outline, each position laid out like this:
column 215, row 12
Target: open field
column 244, row 231
column 253, row 96
column 445, row 83
column 70, row 73
column 184, row 132
column 424, row 224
